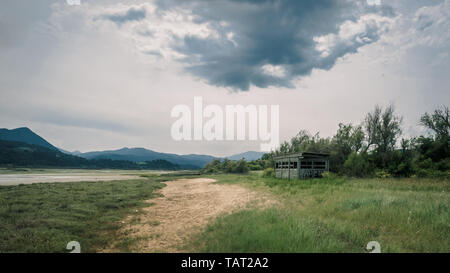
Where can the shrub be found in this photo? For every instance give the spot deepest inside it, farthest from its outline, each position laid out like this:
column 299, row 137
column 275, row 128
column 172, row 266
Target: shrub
column 269, row 172
column 357, row 165
column 382, row 174
column 329, row 175
column 226, row 166
column 430, row 173
column 240, row 167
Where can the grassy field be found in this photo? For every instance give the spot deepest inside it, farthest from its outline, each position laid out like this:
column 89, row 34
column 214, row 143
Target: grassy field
column 321, row 215
column 45, row 217
column 335, row 215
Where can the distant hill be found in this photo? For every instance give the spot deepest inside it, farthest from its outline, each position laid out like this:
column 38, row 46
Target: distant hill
column 24, row 135
column 133, row 155
column 191, row 161
column 14, row 153
column 249, row 156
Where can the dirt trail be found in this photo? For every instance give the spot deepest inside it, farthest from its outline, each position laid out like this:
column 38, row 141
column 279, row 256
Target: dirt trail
column 185, row 208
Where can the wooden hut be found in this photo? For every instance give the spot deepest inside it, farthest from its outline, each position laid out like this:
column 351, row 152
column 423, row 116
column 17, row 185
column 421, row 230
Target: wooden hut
column 301, row 165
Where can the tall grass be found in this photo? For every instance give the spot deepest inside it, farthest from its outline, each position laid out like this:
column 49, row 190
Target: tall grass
column 336, row 215
column 45, row 217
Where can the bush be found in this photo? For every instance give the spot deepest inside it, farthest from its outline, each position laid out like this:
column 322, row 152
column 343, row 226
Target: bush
column 329, row 175
column 240, row 167
column 269, row 172
column 382, row 174
column 226, row 166
column 357, row 165
column 430, row 173
column 426, row 168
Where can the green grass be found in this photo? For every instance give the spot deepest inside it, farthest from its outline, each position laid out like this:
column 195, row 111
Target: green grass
column 45, row 217
column 335, row 215
column 320, row 215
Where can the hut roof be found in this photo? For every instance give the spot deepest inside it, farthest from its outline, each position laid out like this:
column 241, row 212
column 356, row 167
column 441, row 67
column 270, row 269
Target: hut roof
column 302, row 155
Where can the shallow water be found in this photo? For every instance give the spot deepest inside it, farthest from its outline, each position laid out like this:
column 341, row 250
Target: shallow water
column 16, row 179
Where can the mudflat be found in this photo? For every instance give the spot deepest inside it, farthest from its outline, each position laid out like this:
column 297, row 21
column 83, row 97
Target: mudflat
column 17, row 179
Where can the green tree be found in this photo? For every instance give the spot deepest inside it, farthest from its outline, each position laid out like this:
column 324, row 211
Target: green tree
column 383, row 129
column 358, row 165
column 240, row 167
column 348, row 139
column 305, row 142
column 433, row 152
column 438, row 122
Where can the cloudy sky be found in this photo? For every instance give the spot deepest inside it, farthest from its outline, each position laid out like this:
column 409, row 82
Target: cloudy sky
column 106, row 74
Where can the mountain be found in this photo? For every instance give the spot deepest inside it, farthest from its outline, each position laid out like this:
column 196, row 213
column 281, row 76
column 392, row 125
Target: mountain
column 134, row 155
column 249, row 156
column 66, row 152
column 29, row 155
column 24, row 135
column 191, row 161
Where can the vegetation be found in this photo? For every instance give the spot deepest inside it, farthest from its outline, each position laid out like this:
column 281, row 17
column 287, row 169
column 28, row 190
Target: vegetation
column 263, row 163
column 226, row 166
column 335, row 214
column 269, row 172
column 45, row 217
column 29, row 155
column 375, row 148
column 404, row 204
column 241, row 166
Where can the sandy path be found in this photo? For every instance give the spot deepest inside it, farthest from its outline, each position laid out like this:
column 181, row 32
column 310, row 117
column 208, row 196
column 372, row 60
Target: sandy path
column 186, row 206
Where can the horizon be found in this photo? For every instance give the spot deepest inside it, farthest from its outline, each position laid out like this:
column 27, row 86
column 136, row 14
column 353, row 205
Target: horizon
column 124, row 147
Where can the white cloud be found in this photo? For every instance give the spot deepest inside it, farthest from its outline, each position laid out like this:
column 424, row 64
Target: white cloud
column 431, row 25
column 363, row 31
column 274, row 70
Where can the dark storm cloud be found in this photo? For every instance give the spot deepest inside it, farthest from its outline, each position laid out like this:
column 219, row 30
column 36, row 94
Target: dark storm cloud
column 267, row 32
column 132, row 14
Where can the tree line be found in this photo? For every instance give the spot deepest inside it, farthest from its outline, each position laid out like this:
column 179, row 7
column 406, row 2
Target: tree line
column 375, row 147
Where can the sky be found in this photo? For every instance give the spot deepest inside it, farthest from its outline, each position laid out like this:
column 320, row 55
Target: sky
column 106, row 74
